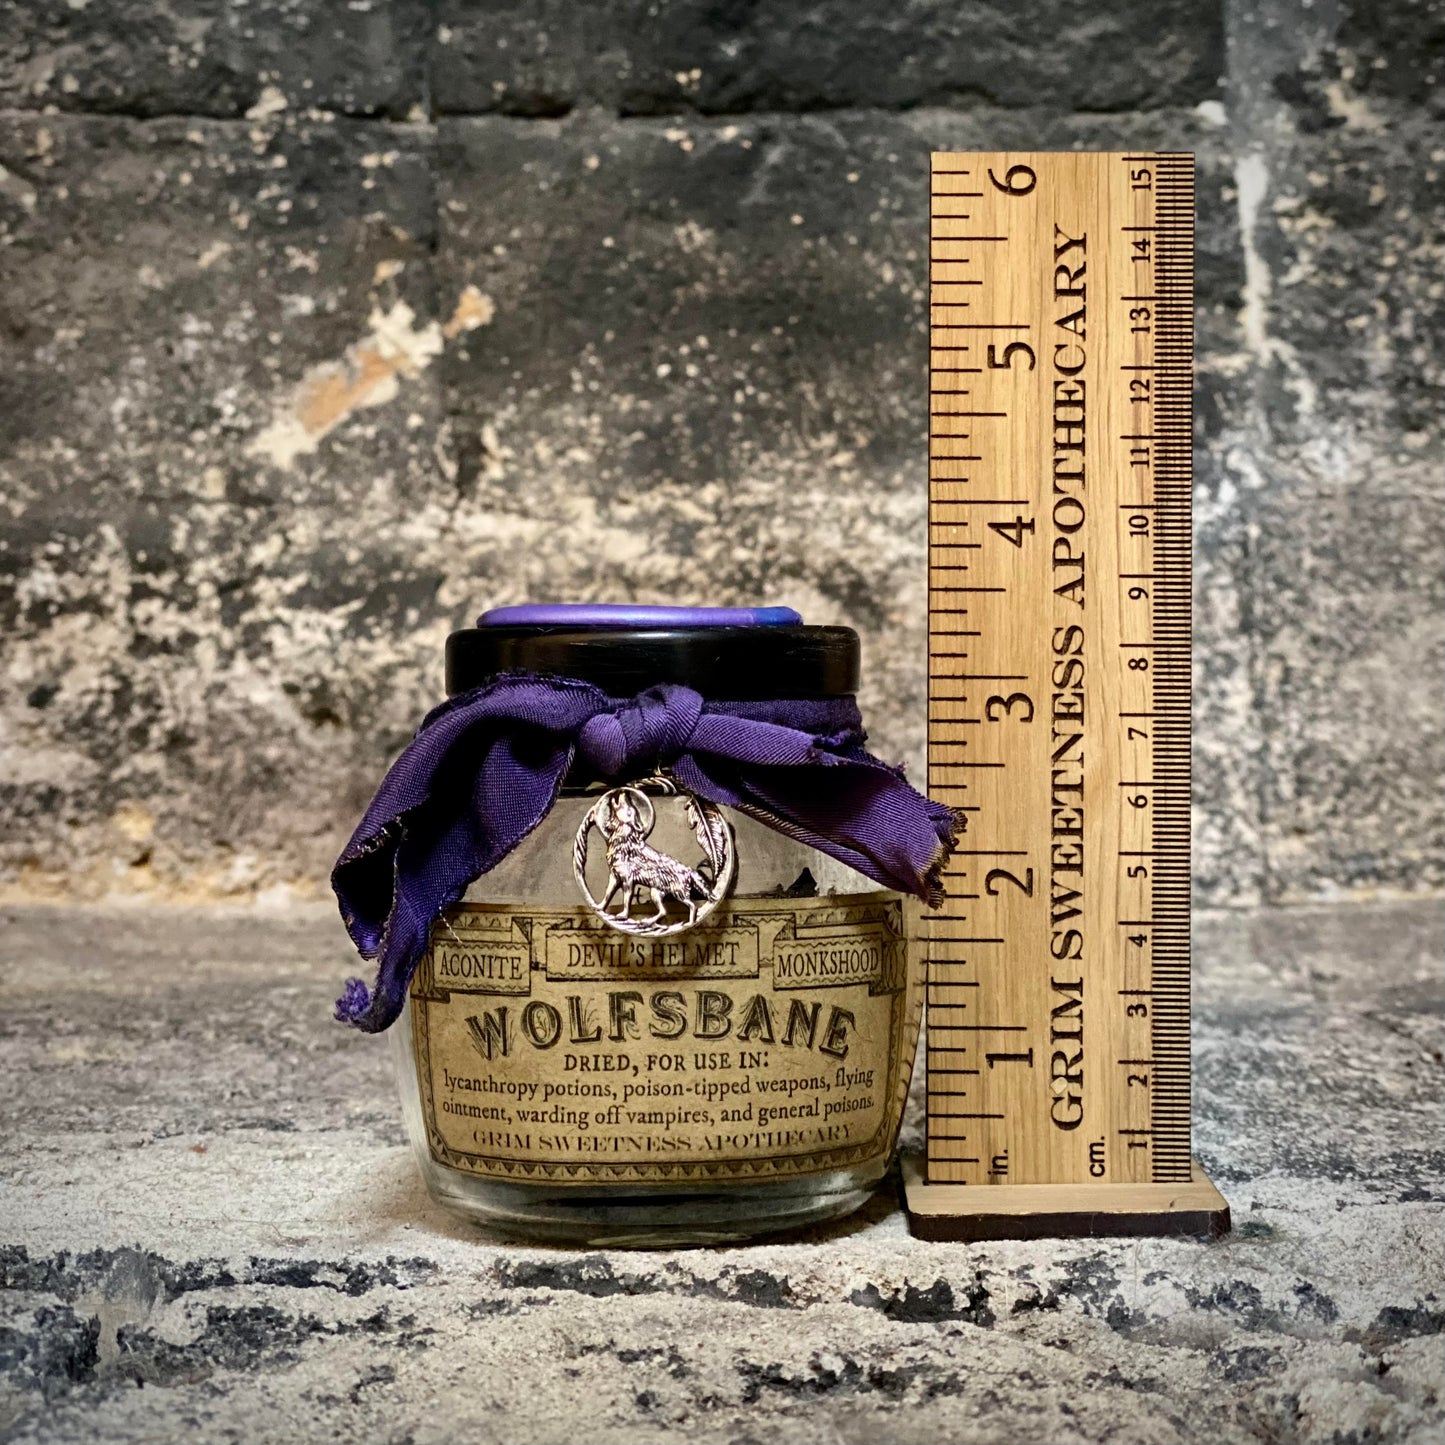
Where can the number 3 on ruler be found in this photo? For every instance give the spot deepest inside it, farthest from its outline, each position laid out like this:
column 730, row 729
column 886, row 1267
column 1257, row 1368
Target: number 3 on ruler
column 1005, row 706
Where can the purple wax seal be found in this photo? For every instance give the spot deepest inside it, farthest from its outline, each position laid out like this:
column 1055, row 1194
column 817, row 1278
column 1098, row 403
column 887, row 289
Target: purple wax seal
column 625, row 614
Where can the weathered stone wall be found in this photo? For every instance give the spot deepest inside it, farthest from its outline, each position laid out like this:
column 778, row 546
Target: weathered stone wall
column 327, row 326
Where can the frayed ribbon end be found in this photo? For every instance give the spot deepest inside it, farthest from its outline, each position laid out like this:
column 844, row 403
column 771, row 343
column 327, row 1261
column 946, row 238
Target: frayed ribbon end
column 358, row 1006
column 951, row 824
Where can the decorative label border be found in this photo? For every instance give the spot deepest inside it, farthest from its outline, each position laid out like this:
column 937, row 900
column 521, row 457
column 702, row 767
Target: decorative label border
column 493, row 934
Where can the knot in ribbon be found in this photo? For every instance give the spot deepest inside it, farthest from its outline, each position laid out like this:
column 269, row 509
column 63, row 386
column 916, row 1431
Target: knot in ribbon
column 648, row 732
column 486, row 766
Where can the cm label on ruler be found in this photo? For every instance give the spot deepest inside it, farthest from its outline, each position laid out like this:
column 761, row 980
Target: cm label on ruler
column 1061, row 334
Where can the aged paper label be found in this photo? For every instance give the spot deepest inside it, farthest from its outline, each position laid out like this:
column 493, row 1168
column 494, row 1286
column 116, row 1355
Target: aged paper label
column 774, row 1040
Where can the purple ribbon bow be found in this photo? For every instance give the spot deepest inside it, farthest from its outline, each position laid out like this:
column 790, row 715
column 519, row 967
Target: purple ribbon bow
column 486, row 766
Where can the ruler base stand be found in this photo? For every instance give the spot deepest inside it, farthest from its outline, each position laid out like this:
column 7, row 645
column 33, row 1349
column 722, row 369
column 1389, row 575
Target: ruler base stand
column 968, row 1213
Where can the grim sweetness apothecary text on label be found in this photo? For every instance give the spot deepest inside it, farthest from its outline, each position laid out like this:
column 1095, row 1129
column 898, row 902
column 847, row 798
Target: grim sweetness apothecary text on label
column 771, row 1041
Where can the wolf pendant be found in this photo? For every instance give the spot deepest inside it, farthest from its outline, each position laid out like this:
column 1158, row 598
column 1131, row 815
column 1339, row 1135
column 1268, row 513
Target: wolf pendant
column 636, row 869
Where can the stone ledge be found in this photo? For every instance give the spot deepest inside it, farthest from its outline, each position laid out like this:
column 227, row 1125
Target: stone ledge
column 212, row 1231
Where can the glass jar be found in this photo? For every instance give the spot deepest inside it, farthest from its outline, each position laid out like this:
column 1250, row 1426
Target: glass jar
column 564, row 1080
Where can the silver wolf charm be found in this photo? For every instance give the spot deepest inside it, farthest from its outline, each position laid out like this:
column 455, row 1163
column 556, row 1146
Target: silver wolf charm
column 625, row 817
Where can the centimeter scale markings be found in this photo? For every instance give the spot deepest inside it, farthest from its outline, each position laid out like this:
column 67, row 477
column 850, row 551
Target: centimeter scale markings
column 1060, row 448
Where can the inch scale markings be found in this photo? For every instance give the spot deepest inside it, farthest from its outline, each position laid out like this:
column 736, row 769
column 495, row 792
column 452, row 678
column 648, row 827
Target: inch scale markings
column 1059, row 464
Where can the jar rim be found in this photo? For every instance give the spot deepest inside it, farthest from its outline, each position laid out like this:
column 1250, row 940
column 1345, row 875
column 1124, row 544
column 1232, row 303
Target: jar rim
column 728, row 663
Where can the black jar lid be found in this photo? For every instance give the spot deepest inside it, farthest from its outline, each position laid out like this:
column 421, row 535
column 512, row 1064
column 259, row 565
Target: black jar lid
column 727, row 654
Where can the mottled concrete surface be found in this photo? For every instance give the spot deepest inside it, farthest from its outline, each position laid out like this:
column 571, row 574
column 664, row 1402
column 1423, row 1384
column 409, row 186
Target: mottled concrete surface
column 210, row 1230
column 327, row 326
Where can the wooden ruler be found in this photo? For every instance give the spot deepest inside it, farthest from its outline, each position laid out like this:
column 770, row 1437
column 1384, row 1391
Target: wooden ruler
column 1060, row 460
